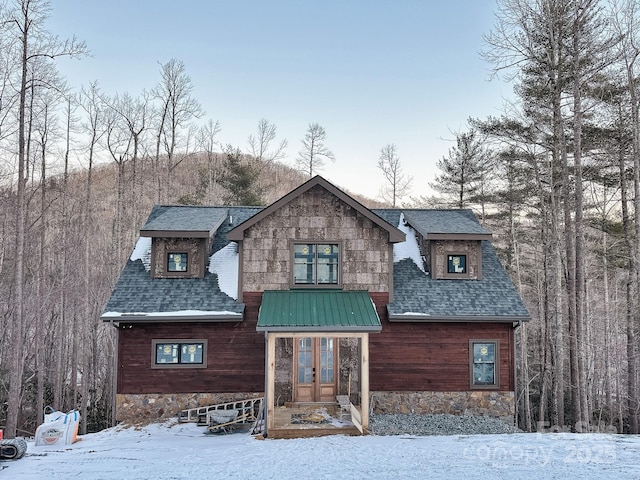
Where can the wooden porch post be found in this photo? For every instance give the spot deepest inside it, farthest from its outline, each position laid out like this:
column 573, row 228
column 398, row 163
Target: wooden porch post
column 364, row 393
column 271, row 375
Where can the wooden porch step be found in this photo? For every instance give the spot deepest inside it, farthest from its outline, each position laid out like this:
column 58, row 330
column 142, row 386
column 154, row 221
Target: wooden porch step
column 286, row 433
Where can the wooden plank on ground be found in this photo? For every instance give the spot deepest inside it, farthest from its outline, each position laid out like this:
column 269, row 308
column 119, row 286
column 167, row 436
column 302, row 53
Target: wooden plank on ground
column 356, row 419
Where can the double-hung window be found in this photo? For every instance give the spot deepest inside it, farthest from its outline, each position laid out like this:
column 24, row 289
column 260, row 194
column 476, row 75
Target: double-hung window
column 316, row 264
column 484, row 363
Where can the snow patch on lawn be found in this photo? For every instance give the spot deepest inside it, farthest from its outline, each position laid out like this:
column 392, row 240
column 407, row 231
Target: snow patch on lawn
column 183, row 451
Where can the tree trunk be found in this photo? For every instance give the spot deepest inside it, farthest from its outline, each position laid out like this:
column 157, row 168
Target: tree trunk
column 578, row 364
column 17, row 326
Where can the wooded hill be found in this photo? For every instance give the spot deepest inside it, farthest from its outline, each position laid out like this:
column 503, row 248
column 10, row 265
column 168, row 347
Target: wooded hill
column 81, row 229
column 556, row 179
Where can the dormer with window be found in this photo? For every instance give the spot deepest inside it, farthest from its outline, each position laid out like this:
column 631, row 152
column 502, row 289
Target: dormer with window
column 450, row 241
column 181, row 238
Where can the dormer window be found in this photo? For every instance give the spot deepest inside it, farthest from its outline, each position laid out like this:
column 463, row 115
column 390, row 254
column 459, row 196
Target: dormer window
column 316, row 264
column 457, row 264
column 177, row 262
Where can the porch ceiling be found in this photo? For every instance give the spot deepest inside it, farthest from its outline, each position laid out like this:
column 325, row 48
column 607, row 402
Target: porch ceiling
column 317, row 311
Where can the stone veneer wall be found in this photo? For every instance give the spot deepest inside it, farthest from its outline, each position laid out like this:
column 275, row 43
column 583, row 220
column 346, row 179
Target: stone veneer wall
column 146, row 408
column 487, row 403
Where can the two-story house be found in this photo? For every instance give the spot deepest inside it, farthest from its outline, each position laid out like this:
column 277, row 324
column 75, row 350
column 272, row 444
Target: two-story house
column 310, row 298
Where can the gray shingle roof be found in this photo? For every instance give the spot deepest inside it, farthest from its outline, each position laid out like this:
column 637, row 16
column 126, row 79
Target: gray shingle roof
column 417, row 296
column 237, row 215
column 444, row 221
column 389, row 215
column 137, row 295
column 184, row 218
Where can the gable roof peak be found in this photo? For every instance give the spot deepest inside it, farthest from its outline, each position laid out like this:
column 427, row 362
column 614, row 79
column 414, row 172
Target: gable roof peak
column 395, row 235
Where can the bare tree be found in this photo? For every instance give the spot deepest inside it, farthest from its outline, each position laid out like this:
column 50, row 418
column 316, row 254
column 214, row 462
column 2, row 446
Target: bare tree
column 314, row 153
column 178, row 108
column 27, row 18
column 397, row 183
column 260, row 144
column 206, row 143
column 119, row 144
column 90, row 102
column 626, row 23
column 134, row 114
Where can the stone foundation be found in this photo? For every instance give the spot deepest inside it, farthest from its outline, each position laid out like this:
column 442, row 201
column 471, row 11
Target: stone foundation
column 148, row 408
column 487, row 403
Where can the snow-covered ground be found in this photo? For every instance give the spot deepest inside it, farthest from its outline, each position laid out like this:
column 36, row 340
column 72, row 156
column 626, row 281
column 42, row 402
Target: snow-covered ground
column 182, row 451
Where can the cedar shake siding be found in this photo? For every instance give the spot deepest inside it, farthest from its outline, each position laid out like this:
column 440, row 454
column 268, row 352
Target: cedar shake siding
column 195, row 248
column 315, row 216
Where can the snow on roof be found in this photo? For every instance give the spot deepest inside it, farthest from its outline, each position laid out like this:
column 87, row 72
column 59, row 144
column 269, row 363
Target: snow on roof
column 224, row 263
column 179, row 313
column 409, row 248
column 142, row 251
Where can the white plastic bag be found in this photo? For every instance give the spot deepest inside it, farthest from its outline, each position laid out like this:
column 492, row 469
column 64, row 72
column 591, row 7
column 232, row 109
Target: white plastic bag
column 58, row 428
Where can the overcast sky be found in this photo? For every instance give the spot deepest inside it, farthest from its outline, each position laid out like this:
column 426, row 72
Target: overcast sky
column 371, row 72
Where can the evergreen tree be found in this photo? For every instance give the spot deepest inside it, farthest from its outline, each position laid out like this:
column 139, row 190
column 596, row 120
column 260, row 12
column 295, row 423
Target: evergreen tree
column 241, row 179
column 465, row 172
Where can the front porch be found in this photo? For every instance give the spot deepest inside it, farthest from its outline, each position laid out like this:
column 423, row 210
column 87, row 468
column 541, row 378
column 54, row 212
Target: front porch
column 317, row 362
column 290, row 418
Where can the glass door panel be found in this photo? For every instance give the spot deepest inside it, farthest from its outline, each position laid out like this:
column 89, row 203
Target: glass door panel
column 315, row 370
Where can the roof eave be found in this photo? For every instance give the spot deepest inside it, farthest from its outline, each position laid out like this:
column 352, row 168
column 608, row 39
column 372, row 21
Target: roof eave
column 425, row 318
column 141, row 318
column 327, row 329
column 176, row 234
column 459, row 236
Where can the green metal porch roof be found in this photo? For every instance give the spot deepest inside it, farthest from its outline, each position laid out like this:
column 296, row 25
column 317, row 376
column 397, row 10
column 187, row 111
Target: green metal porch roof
column 317, row 311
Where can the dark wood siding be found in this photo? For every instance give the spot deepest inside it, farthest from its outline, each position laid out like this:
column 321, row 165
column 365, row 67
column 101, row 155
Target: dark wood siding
column 417, row 356
column 403, row 357
column 235, row 356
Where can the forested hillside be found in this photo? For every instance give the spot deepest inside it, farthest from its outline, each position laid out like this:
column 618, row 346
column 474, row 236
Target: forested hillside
column 556, row 178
